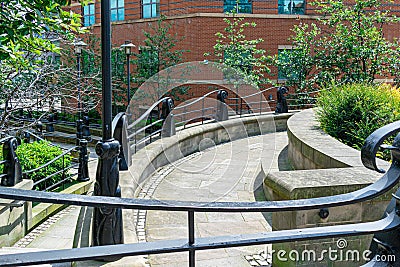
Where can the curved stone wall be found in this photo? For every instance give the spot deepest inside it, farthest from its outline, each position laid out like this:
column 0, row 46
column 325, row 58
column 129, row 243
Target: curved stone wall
column 312, row 148
column 185, row 142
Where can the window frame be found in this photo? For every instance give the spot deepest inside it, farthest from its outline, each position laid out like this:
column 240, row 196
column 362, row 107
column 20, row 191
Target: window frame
column 150, row 3
column 117, row 8
column 238, row 4
column 281, row 7
column 86, row 17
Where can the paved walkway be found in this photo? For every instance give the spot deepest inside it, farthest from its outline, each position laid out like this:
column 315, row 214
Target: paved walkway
column 228, row 172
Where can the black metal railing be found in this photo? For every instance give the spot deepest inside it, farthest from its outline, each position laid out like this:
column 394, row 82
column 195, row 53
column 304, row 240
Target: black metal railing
column 151, row 124
column 12, row 172
column 390, row 222
column 65, row 172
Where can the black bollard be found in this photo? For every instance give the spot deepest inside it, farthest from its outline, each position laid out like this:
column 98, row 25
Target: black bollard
column 12, row 168
column 86, row 129
column 222, row 109
column 50, row 123
column 83, row 169
column 281, row 105
column 107, row 222
column 168, row 128
column 39, row 128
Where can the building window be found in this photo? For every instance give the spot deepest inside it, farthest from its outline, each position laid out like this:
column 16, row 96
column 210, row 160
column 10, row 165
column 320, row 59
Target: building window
column 296, row 7
column 150, row 8
column 285, row 73
column 88, row 15
column 117, row 10
column 238, row 6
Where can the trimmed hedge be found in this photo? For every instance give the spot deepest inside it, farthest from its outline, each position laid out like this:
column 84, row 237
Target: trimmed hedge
column 36, row 154
column 352, row 112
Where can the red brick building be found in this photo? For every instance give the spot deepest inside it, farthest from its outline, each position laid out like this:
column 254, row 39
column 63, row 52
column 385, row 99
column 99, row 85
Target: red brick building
column 198, row 21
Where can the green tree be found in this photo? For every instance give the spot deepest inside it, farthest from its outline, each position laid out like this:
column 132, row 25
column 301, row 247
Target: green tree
column 31, row 33
column 237, row 53
column 346, row 44
column 158, row 52
column 27, row 29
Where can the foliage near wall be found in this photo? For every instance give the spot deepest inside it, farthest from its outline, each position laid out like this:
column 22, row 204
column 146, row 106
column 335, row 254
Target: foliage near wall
column 352, row 112
column 346, row 44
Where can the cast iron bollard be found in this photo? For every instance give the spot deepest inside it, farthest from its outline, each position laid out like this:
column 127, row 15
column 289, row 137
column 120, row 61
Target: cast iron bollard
column 107, row 222
column 281, row 105
column 26, row 137
column 222, row 109
column 120, row 133
column 168, row 128
column 50, row 123
column 86, row 129
column 83, row 169
column 12, row 167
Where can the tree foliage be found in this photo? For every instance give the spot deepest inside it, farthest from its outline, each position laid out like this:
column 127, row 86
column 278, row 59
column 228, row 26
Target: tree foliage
column 236, row 52
column 346, row 44
column 27, row 29
column 34, row 79
column 158, row 52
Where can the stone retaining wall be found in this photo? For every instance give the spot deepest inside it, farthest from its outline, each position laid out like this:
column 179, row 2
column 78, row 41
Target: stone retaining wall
column 325, row 167
column 14, row 220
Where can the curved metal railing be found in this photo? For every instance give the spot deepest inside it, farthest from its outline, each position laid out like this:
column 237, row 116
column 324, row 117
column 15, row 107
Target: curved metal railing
column 390, row 222
column 205, row 113
column 196, row 111
column 64, row 172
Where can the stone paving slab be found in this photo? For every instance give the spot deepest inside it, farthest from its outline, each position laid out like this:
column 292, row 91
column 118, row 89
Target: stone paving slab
column 227, row 172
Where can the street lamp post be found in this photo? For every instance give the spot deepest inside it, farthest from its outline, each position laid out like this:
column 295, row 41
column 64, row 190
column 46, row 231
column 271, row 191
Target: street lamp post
column 78, row 47
column 107, row 222
column 83, row 170
column 128, row 46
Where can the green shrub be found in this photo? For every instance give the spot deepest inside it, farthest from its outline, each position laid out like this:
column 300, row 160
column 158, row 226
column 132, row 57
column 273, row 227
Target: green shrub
column 352, row 112
column 34, row 155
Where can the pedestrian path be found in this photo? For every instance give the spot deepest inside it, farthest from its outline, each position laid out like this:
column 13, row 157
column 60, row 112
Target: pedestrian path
column 227, row 172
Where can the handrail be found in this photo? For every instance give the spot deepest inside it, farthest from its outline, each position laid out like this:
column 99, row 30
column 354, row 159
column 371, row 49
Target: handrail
column 260, row 92
column 390, row 222
column 144, row 128
column 5, row 139
column 389, row 180
column 197, row 100
column 49, row 162
column 147, row 113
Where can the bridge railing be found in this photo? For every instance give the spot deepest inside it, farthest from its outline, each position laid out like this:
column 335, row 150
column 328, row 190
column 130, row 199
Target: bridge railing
column 389, row 224
column 163, row 119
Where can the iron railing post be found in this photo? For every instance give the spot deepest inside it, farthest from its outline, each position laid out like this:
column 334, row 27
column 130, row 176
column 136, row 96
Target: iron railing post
column 192, row 251
column 85, row 128
column 50, row 123
column 168, row 128
column 222, row 109
column 83, row 169
column 12, row 168
column 107, row 222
